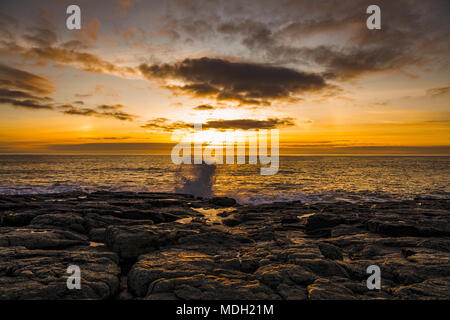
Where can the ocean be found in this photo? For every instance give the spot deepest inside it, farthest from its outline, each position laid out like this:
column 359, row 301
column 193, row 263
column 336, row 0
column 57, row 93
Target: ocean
column 307, row 178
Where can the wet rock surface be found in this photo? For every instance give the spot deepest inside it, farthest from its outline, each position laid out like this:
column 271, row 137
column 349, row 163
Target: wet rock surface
column 172, row 246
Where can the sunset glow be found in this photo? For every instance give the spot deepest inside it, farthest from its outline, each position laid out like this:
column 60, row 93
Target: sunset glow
column 135, row 73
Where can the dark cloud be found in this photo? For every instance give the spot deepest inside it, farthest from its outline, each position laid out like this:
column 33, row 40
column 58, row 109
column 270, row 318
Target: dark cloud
column 435, row 92
column 413, row 33
column 43, row 47
column 338, row 62
column 7, row 26
column 85, row 61
column 106, row 107
column 102, row 111
column 163, row 124
column 13, row 78
column 248, row 83
column 23, row 89
column 345, row 64
column 29, row 104
column 74, row 45
column 15, row 94
column 246, row 124
column 41, row 37
column 204, row 107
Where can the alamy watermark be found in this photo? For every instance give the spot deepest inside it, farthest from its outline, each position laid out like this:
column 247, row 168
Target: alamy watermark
column 73, row 21
column 74, row 280
column 374, row 281
column 211, row 150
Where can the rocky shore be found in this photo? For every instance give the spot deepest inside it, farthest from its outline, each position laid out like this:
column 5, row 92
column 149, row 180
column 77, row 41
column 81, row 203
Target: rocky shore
column 172, row 246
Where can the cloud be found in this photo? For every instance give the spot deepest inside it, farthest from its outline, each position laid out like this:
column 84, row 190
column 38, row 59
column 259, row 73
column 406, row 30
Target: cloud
column 89, row 31
column 41, row 37
column 74, row 45
column 106, row 107
column 13, row 78
column 15, row 94
column 204, row 107
column 333, row 37
column 23, row 89
column 171, row 34
column 42, row 45
column 7, row 25
column 345, row 64
column 435, row 92
column 124, row 5
column 102, row 111
column 29, row 104
column 112, row 147
column 246, row 124
column 247, row 83
column 163, row 124
column 85, row 61
column 338, row 62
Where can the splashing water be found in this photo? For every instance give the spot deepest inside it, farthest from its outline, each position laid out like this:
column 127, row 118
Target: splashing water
column 197, row 180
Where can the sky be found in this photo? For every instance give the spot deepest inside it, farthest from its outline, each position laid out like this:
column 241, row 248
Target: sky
column 138, row 71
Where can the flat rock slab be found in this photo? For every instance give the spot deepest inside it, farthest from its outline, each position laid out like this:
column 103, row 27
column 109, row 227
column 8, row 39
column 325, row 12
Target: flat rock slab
column 190, row 275
column 40, row 238
column 42, row 274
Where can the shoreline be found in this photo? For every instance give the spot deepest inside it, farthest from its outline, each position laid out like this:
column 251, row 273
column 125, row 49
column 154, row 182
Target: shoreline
column 306, row 198
column 173, row 246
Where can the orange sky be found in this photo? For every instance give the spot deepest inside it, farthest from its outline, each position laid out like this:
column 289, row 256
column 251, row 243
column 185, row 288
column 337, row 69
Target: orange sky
column 139, row 70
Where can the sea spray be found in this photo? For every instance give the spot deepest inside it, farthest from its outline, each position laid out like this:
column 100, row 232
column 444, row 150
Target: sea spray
column 197, row 180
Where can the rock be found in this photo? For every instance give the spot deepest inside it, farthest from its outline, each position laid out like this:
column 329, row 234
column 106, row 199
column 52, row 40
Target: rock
column 274, row 274
column 430, row 289
column 156, row 217
column 249, row 265
column 436, row 244
column 323, row 268
column 167, row 264
column 37, row 238
column 291, row 293
column 325, row 289
column 223, row 201
column 132, row 241
column 407, row 253
column 65, row 221
column 97, row 235
column 322, row 223
column 209, row 287
column 42, row 274
column 94, row 220
column 211, row 238
column 266, row 251
column 231, row 221
column 345, row 230
column 392, row 229
column 330, row 252
column 191, row 275
column 16, row 219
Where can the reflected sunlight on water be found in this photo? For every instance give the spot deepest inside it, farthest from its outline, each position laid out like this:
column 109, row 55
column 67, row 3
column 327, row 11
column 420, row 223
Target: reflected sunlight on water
column 308, row 178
